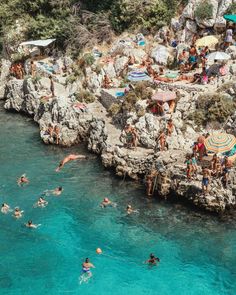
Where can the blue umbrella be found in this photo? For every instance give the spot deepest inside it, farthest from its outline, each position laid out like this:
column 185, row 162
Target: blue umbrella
column 138, row 76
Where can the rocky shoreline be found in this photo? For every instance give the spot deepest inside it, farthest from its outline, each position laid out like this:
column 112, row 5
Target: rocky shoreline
column 94, row 126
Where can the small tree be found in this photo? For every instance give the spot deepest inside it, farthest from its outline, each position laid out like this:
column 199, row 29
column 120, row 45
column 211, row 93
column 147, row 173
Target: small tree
column 204, row 10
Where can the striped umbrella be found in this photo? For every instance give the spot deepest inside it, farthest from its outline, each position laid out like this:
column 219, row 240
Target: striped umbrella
column 164, row 96
column 137, row 76
column 220, row 143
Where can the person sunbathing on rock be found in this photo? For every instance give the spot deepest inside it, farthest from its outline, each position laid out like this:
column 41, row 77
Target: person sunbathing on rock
column 68, row 159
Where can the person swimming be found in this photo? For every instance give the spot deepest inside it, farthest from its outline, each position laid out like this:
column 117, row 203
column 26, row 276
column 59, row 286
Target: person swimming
column 69, row 158
column 18, row 213
column 153, row 260
column 106, row 203
column 22, row 180
column 31, row 225
column 130, row 210
column 86, row 272
column 56, row 192
column 41, row 202
column 5, row 208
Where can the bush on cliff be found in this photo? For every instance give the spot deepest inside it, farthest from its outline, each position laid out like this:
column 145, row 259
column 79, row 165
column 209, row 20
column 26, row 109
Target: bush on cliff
column 231, row 9
column 142, row 90
column 204, row 10
column 85, row 96
column 212, row 108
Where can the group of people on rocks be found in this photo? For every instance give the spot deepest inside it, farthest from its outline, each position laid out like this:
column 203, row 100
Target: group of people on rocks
column 217, row 167
column 53, row 132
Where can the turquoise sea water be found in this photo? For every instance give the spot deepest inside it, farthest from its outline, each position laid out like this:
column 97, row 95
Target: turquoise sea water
column 198, row 253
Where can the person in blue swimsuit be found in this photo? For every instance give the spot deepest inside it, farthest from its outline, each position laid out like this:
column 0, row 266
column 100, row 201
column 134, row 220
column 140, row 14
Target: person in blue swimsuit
column 86, row 268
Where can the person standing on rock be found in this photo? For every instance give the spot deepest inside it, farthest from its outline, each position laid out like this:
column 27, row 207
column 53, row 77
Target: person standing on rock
column 162, row 140
column 189, row 169
column 57, row 134
column 52, row 87
column 206, row 180
column 32, row 68
column 170, row 127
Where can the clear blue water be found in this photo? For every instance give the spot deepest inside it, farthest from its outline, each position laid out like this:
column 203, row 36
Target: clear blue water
column 198, row 253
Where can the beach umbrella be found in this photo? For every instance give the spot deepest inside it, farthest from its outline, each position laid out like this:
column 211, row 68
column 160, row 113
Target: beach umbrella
column 218, row 55
column 219, row 143
column 230, row 17
column 138, row 76
column 164, row 96
column 207, row 41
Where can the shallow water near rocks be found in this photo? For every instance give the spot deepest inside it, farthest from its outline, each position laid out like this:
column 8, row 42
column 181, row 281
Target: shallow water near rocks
column 197, row 252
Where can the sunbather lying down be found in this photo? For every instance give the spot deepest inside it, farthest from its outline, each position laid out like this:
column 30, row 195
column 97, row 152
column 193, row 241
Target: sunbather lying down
column 188, row 79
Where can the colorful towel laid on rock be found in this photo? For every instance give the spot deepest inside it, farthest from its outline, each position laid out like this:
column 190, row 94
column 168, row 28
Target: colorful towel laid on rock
column 137, row 76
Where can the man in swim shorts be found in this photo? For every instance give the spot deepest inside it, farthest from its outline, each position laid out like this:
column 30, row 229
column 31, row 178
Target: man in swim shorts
column 205, row 180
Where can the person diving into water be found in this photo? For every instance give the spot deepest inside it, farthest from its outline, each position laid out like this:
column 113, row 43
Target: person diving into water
column 69, row 158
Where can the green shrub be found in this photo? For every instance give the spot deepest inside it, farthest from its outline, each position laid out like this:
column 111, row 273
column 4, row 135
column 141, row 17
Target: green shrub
column 212, row 108
column 231, row 9
column 142, row 90
column 85, row 96
column 114, row 109
column 86, row 60
column 71, row 79
column 204, row 10
column 146, row 15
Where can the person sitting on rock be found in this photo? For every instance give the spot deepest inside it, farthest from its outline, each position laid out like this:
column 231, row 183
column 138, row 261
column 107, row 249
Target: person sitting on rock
column 206, row 180
column 170, row 127
column 147, row 60
column 150, row 71
column 106, row 83
column 131, row 60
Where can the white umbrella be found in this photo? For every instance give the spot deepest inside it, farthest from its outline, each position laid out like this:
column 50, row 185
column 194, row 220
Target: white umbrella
column 218, row 55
